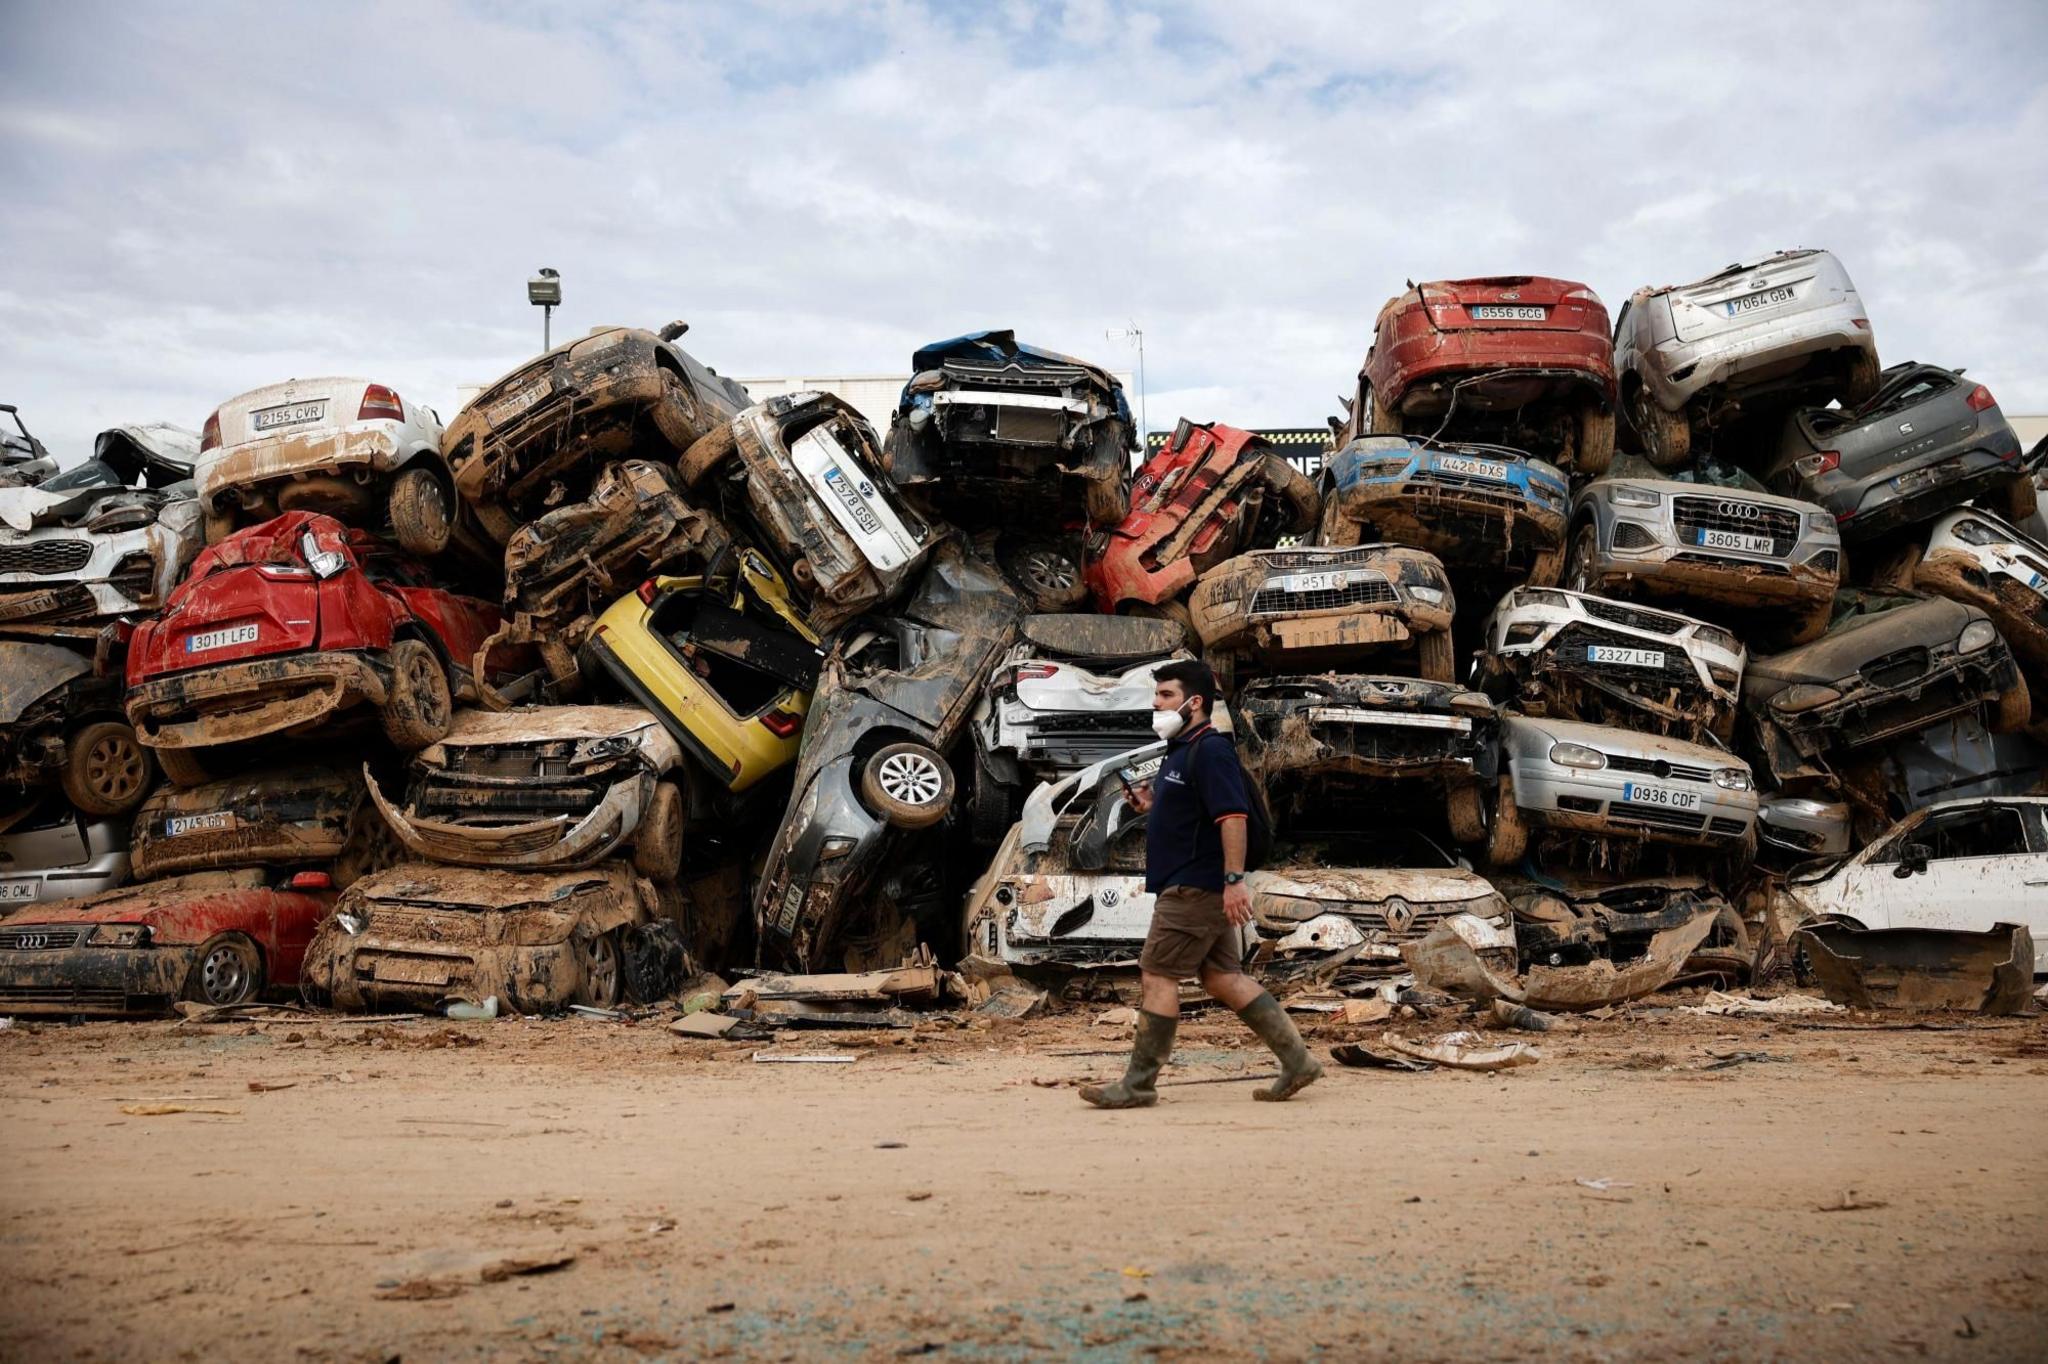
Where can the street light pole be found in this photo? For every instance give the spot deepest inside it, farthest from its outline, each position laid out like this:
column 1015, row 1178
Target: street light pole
column 544, row 291
column 1137, row 334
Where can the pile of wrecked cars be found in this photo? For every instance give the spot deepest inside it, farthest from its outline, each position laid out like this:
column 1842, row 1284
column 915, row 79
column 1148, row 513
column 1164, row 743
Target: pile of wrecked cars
column 1589, row 658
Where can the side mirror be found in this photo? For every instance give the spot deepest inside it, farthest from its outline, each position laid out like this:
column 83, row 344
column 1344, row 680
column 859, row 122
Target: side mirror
column 1913, row 860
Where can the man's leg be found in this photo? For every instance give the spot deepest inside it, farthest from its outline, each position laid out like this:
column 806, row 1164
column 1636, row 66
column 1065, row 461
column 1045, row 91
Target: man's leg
column 1264, row 1016
column 1158, row 1020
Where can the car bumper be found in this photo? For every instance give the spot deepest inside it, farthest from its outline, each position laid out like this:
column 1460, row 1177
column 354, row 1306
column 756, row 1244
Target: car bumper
column 804, row 893
column 1679, row 370
column 557, row 842
column 1495, row 369
column 1872, row 507
column 1598, row 802
column 70, row 883
column 1806, row 575
column 1460, row 523
column 94, row 588
column 236, row 701
column 1867, row 713
column 443, row 954
column 101, row 982
column 369, row 450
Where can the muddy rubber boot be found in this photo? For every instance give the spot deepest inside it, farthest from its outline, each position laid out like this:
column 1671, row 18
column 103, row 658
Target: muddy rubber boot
column 1298, row 1070
column 1148, row 1053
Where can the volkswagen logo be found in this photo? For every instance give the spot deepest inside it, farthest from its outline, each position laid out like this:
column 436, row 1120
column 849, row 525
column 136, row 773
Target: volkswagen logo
column 1109, row 898
column 1748, row 511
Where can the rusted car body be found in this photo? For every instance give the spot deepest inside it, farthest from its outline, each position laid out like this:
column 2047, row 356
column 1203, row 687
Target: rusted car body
column 805, row 472
column 540, row 433
column 217, row 937
column 1445, row 960
column 1975, row 558
column 1211, row 492
column 1325, row 607
column 1922, row 968
column 309, row 814
column 545, row 787
column 418, row 935
column 61, row 724
column 286, row 625
column 1573, row 921
column 1479, row 507
column 1523, row 360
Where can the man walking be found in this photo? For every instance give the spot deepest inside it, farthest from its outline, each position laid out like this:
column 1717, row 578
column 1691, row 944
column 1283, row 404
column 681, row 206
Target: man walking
column 1195, row 838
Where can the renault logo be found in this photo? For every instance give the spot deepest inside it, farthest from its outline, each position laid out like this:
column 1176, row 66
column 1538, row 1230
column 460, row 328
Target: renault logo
column 1398, row 915
column 1748, row 511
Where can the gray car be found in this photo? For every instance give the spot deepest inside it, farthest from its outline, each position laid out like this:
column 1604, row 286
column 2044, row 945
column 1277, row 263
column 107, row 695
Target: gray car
column 1710, row 537
column 52, row 852
column 1688, row 356
column 1930, row 440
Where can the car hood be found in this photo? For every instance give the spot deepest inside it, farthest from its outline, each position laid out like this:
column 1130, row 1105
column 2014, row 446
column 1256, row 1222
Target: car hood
column 31, row 671
column 435, row 886
column 956, row 621
column 157, row 456
column 1521, row 734
column 1373, row 691
column 1856, row 640
column 1672, row 487
column 1365, row 885
column 146, row 902
column 546, row 724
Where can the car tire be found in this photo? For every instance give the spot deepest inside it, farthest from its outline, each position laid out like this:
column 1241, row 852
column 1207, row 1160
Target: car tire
column 1379, row 420
column 1667, row 436
column 183, row 766
column 106, row 771
column 227, row 970
column 1860, row 378
column 675, row 413
column 602, row 982
column 1173, row 609
column 217, row 526
column 991, row 810
column 418, row 705
column 1728, row 950
column 1434, row 657
column 1293, row 506
column 706, row 454
column 1580, row 561
column 658, row 842
column 1507, row 836
column 2017, row 500
column 1465, row 805
column 1045, row 571
column 908, row 784
column 421, row 517
column 1596, row 440
column 2015, row 709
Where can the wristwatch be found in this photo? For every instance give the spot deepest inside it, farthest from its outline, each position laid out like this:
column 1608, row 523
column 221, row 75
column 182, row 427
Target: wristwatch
column 1233, row 878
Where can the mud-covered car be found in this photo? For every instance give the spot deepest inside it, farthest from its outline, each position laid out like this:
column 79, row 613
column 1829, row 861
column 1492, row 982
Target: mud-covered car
column 1888, row 665
column 994, row 432
column 312, row 813
column 215, row 937
column 1775, row 331
column 1951, row 759
column 1710, row 537
column 1074, row 689
column 348, row 448
column 1308, row 739
column 23, row 459
column 1326, row 607
column 1973, row 557
column 1791, row 829
column 285, row 626
column 1562, row 780
column 537, row 436
column 804, row 471
column 1574, row 920
column 1473, row 506
column 545, row 787
column 1523, row 360
column 109, row 537
column 1211, row 491
column 418, row 935
column 51, row 852
column 1549, row 651
column 61, row 724
column 1929, row 440
column 896, row 692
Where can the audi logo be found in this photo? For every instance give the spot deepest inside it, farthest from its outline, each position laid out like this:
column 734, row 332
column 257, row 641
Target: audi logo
column 29, row 942
column 1749, row 511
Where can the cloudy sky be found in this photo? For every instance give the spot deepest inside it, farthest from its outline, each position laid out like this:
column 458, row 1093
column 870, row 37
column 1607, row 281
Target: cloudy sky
column 205, row 197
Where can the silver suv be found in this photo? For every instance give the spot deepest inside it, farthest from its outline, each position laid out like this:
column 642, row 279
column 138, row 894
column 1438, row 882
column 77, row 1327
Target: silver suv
column 1686, row 356
column 1709, row 537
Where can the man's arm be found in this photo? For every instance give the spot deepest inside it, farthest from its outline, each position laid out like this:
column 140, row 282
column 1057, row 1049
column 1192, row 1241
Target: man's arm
column 1237, row 901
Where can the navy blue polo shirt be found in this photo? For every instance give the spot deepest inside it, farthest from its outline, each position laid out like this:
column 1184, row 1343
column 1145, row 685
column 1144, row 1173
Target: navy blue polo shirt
column 1199, row 783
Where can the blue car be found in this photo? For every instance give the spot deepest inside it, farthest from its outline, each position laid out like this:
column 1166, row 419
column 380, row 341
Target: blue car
column 1473, row 506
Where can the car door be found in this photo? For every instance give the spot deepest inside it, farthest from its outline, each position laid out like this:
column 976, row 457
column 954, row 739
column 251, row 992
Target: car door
column 1981, row 868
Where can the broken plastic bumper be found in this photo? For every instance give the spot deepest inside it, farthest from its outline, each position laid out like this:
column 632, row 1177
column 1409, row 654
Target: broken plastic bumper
column 103, row 982
column 236, row 701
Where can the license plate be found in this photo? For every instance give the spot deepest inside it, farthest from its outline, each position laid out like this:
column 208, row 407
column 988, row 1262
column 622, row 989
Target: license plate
column 291, row 414
column 1312, row 582
column 1472, row 468
column 1766, row 298
column 17, row 892
column 413, row 971
column 1728, row 539
column 1507, row 312
column 1627, row 658
column 220, row 639
column 507, row 408
column 2037, row 582
column 1660, row 795
column 792, row 901
column 849, row 496
column 1927, row 478
column 1142, row 771
column 196, row 824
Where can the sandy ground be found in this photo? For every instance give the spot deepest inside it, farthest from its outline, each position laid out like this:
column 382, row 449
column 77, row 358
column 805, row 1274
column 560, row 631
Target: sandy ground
column 947, row 1193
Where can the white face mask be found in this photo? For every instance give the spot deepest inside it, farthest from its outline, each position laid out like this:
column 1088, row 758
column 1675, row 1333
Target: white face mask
column 1167, row 723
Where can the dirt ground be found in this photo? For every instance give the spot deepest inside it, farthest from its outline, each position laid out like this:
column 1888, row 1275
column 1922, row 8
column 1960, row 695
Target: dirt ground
column 367, row 1188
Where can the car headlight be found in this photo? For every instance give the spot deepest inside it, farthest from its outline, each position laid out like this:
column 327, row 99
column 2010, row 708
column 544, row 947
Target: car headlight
column 1804, row 696
column 1428, row 596
column 1383, row 468
column 1821, row 523
column 1723, row 677
column 1976, row 635
column 1543, row 596
column 1732, row 778
column 1577, row 755
column 839, row 845
column 1975, row 533
column 1716, row 636
column 1623, row 495
column 119, row 935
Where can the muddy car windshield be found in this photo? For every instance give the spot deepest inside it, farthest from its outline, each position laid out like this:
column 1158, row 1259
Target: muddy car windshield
column 1854, row 602
column 1708, row 472
column 1391, row 847
column 94, row 473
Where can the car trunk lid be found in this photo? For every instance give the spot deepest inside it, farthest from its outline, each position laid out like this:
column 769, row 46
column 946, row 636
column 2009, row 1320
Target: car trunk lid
column 290, row 409
column 250, row 596
column 1508, row 303
column 1742, row 294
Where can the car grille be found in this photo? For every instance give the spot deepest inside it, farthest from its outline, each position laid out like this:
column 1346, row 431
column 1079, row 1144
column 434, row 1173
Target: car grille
column 1573, row 641
column 1361, row 557
column 423, row 925
column 446, row 800
column 1656, row 817
column 1629, row 535
column 1659, row 768
column 1366, row 591
column 1635, row 617
column 1757, row 567
column 1895, row 669
column 1731, row 827
column 1093, row 722
column 45, row 556
column 81, row 999
column 1694, row 514
column 1397, row 920
column 1051, row 382
column 30, row 938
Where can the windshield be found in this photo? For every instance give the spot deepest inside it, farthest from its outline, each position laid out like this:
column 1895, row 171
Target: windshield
column 1707, row 471
column 94, row 473
column 1384, row 848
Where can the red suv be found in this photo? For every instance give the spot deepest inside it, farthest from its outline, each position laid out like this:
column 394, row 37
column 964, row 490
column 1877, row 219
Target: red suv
column 282, row 626
column 1518, row 360
column 1210, row 493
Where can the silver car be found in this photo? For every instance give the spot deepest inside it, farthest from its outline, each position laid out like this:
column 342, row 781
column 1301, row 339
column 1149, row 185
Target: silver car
column 1790, row 326
column 1721, row 543
column 55, row 853
column 1563, row 776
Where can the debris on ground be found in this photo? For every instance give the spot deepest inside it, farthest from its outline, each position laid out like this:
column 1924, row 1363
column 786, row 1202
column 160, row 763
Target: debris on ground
column 1748, row 1006
column 1922, row 968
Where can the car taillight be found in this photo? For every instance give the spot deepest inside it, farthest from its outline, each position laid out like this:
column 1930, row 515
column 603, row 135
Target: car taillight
column 1813, row 466
column 209, row 437
column 380, row 404
column 1861, row 324
column 310, row 880
column 1036, row 672
column 645, row 592
column 1980, row 398
column 782, row 723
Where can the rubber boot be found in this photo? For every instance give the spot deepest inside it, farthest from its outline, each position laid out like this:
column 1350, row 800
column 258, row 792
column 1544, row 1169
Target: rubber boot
column 1298, row 1069
column 1149, row 1051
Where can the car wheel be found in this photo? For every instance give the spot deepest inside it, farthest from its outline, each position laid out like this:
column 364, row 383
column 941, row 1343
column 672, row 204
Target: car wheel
column 1859, row 381
column 1508, row 836
column 106, row 772
column 706, row 454
column 1465, row 803
column 658, row 842
column 676, row 415
column 1379, row 419
column 604, row 974
column 421, row 518
column 1727, row 951
column 183, row 766
column 991, row 810
column 908, row 784
column 1667, row 436
column 2015, row 708
column 417, row 706
column 1596, row 440
column 1292, row 504
column 654, row 959
column 1045, row 571
column 1433, row 656
column 1585, row 553
column 228, row 970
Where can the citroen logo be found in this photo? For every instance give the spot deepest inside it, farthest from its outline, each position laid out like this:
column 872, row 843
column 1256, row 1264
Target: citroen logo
column 1749, row 511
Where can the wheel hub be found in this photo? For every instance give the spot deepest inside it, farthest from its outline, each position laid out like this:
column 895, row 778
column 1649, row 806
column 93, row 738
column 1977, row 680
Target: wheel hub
column 911, row 778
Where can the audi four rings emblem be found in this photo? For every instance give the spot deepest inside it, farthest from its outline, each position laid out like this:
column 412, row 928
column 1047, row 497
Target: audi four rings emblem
column 1748, row 510
column 29, row 942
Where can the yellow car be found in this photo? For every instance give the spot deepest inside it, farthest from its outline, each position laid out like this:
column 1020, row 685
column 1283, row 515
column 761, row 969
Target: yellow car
column 727, row 664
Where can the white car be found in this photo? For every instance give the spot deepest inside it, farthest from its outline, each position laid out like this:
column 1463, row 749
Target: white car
column 1963, row 865
column 350, row 448
column 1976, row 558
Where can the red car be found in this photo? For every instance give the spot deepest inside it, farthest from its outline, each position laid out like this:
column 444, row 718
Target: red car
column 1210, row 493
column 218, row 937
column 1518, row 360
column 282, row 627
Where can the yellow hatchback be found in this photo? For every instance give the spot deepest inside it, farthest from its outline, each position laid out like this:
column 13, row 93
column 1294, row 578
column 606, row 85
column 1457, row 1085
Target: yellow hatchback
column 727, row 664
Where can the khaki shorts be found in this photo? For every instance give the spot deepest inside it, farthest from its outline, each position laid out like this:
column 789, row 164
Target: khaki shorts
column 1189, row 935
